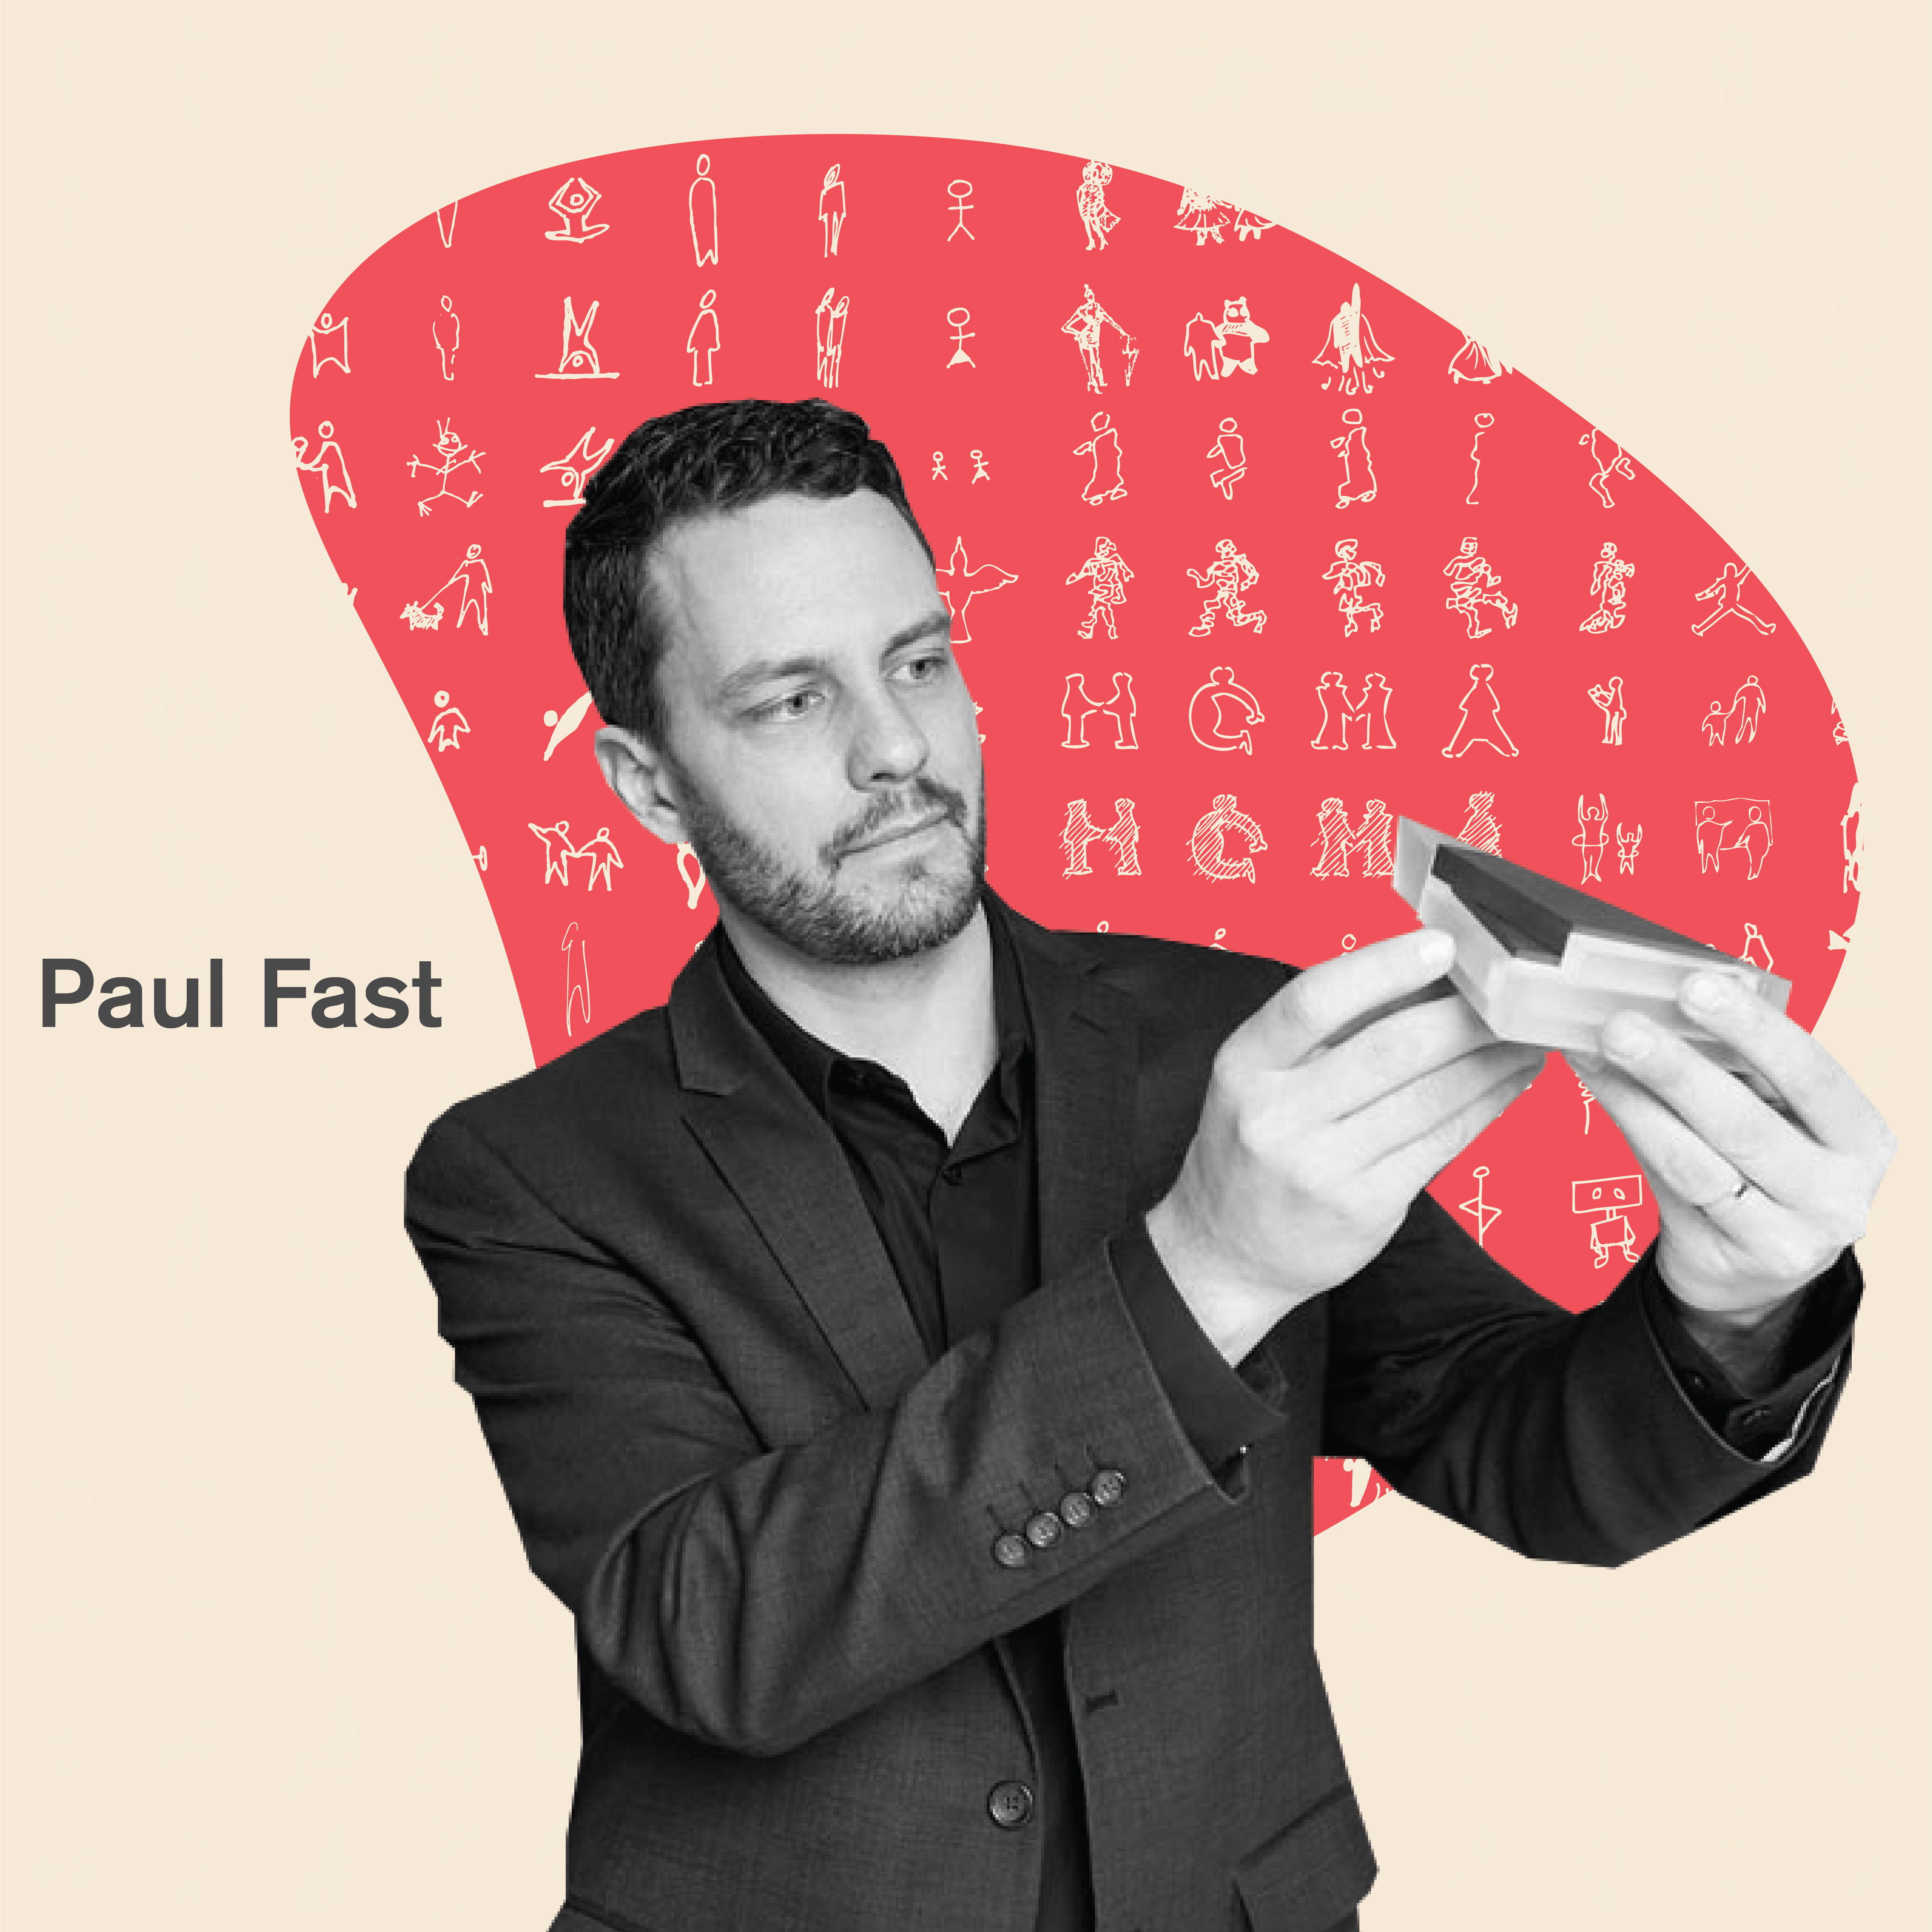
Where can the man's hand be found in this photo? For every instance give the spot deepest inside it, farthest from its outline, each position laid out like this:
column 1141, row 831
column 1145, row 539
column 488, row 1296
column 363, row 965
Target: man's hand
column 1754, row 1200
column 1326, row 1114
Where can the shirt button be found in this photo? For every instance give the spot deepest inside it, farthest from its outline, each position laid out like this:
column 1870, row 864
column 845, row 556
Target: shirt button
column 1752, row 1418
column 1694, row 1382
column 1108, row 1486
column 1076, row 1509
column 1010, row 1551
column 1045, row 1530
column 950, row 1175
column 1009, row 1804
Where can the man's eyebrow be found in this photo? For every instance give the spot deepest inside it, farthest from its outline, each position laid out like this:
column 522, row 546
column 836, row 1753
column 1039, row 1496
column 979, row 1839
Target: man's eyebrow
column 765, row 670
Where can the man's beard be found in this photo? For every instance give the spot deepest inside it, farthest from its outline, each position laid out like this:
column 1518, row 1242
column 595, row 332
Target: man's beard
column 931, row 900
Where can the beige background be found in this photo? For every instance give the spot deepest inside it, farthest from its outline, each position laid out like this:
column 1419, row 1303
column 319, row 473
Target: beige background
column 272, row 1657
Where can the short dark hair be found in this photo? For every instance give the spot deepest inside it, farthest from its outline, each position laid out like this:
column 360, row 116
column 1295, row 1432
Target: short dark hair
column 711, row 458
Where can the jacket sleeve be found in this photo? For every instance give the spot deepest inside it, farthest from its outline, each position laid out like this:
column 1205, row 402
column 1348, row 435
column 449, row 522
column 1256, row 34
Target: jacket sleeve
column 752, row 1594
column 1563, row 1436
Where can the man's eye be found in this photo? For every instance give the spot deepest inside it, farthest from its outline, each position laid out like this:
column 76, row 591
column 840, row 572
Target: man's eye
column 792, row 705
column 923, row 670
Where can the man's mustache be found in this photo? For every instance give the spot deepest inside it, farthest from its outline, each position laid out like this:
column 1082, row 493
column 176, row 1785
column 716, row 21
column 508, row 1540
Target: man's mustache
column 888, row 810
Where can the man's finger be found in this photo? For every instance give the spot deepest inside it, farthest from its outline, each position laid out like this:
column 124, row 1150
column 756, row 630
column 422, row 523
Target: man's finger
column 1426, row 1106
column 1817, row 1091
column 1410, row 1168
column 1326, row 1000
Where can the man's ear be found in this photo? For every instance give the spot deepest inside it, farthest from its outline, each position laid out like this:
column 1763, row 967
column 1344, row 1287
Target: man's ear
column 640, row 774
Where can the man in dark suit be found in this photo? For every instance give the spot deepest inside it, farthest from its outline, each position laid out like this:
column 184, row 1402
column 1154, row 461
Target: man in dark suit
column 903, row 1352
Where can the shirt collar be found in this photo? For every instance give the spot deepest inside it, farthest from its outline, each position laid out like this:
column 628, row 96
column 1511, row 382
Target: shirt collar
column 810, row 1061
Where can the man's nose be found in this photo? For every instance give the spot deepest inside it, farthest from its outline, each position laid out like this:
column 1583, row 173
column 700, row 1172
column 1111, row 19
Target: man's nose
column 886, row 741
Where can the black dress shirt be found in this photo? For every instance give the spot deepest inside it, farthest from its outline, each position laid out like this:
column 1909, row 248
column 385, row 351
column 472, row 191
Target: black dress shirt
column 960, row 1224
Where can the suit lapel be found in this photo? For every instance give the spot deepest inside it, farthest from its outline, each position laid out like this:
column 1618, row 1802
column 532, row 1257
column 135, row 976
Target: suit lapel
column 790, row 1177
column 1086, row 1067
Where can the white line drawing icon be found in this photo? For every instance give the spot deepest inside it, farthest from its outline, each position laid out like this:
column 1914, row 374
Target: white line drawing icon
column 1480, row 828
column 454, row 454
column 963, row 584
column 1472, row 584
column 1218, row 349
column 1727, row 587
column 1358, row 464
column 578, row 363
column 1852, row 841
column 1592, row 837
column 962, row 192
column 446, row 328
column 1482, row 717
column 1607, row 467
column 1608, row 577
column 473, row 575
column 1108, row 577
column 1090, row 198
column 956, row 319
column 446, row 223
column 1473, row 363
column 704, row 340
column 1203, row 215
column 602, row 855
column 576, row 977
column 1364, row 1485
column 828, row 330
column 328, row 342
column 446, row 728
column 571, row 205
column 558, row 851
column 1248, row 225
column 1608, row 697
column 938, row 467
column 1478, row 1208
column 576, row 467
column 1229, row 450
column 1373, row 841
column 1351, row 578
column 1351, row 352
column 1217, row 703
column 1738, row 726
column 693, row 879
column 1732, row 825
column 981, row 474
column 1086, row 325
column 1839, row 735
column 1079, row 704
column 561, row 727
column 1608, row 1203
column 1584, row 1093
column 1225, row 579
column 1080, row 832
column 481, row 856
column 1757, row 949
column 1339, row 711
column 701, row 201
column 831, row 210
column 1627, row 845
column 1105, row 483
column 1207, row 847
column 1483, row 420
column 327, row 464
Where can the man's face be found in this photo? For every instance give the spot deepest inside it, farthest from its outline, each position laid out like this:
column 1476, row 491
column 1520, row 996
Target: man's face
column 819, row 742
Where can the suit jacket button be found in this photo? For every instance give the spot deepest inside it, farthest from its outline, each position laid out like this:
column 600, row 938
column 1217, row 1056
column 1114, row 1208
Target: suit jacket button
column 1045, row 1530
column 1009, row 1803
column 1010, row 1551
column 1076, row 1509
column 1108, row 1486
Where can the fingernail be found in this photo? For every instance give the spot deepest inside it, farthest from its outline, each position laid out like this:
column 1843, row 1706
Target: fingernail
column 1626, row 1037
column 1707, row 993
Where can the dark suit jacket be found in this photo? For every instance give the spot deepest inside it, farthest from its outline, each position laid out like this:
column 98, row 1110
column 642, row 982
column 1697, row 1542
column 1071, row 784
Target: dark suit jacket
column 774, row 1521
